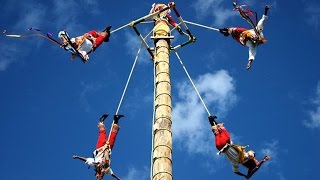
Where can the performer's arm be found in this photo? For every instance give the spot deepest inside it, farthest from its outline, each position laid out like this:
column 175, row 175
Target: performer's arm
column 235, row 168
column 254, row 170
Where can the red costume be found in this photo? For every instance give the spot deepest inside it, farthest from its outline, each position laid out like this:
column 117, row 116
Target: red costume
column 168, row 17
column 236, row 34
column 102, row 138
column 222, row 137
column 95, row 38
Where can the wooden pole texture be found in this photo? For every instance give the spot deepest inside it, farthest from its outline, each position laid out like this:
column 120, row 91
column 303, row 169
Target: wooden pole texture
column 162, row 135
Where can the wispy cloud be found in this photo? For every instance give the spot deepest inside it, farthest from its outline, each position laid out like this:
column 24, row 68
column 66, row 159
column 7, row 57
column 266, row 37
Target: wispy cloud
column 215, row 9
column 314, row 115
column 69, row 21
column 34, row 14
column 9, row 56
column 191, row 129
column 88, row 88
column 134, row 174
column 271, row 149
column 133, row 43
column 15, row 49
column 312, row 11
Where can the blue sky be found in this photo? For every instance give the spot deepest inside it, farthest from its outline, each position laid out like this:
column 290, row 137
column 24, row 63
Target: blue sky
column 49, row 105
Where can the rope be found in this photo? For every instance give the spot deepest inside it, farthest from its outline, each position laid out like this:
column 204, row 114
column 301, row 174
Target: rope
column 203, row 26
column 127, row 83
column 140, row 19
column 129, row 78
column 147, row 22
column 133, row 66
column 126, row 87
column 31, row 35
column 194, row 86
column 118, row 29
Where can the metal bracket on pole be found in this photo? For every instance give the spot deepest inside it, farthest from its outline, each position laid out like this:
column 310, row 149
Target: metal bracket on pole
column 143, row 41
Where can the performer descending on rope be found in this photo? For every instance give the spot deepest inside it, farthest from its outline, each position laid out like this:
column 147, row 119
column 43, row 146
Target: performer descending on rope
column 248, row 37
column 236, row 154
column 84, row 45
column 101, row 156
column 164, row 17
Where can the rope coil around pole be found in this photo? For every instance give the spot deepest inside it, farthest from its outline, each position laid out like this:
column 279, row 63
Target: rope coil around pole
column 203, row 26
column 194, row 86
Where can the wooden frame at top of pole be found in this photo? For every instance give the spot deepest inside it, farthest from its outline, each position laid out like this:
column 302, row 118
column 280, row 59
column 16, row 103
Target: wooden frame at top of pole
column 172, row 5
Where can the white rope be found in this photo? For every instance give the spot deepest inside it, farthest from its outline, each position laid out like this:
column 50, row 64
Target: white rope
column 174, row 28
column 129, row 78
column 203, row 26
column 133, row 66
column 140, row 19
column 147, row 22
column 118, row 29
column 194, row 86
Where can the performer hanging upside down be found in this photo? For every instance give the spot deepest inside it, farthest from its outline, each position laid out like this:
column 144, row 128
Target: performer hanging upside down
column 249, row 37
column 86, row 43
column 164, row 17
column 236, row 154
column 101, row 156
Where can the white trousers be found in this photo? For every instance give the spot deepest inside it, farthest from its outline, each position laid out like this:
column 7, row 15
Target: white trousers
column 253, row 47
column 85, row 48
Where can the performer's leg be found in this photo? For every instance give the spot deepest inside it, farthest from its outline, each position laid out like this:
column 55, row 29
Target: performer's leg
column 115, row 176
column 261, row 23
column 252, row 53
column 114, row 130
column 102, row 138
column 80, row 158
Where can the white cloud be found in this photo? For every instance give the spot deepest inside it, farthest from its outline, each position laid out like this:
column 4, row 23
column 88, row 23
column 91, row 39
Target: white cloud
column 38, row 15
column 191, row 128
column 135, row 174
column 132, row 45
column 314, row 115
column 214, row 8
column 281, row 176
column 271, row 149
column 66, row 14
column 313, row 15
column 15, row 49
column 9, row 54
column 33, row 15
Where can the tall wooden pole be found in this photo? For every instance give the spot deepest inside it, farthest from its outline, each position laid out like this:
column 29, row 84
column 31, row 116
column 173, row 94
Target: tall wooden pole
column 162, row 135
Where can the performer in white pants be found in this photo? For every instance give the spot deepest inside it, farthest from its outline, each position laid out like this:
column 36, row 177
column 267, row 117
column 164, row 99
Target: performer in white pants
column 248, row 37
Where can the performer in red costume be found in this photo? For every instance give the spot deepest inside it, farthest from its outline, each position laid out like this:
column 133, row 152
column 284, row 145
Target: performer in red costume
column 235, row 154
column 101, row 161
column 164, row 16
column 88, row 42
